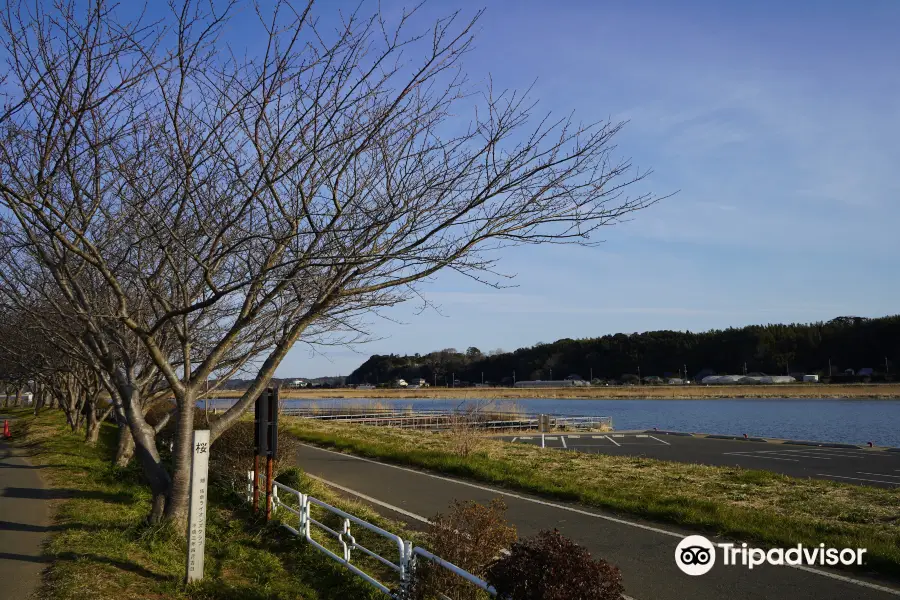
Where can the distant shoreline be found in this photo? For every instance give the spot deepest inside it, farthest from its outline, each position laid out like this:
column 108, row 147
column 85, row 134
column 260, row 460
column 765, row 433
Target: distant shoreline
column 884, row 391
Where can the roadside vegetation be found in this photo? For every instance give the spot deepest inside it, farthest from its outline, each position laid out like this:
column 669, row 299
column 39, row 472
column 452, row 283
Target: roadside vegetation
column 749, row 505
column 102, row 546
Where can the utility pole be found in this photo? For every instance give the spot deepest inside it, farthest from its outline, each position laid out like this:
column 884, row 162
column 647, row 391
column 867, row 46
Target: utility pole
column 514, row 378
column 745, row 368
column 482, row 378
column 592, row 374
column 435, row 379
column 829, row 367
column 639, row 375
column 685, row 373
column 551, row 374
column 452, row 379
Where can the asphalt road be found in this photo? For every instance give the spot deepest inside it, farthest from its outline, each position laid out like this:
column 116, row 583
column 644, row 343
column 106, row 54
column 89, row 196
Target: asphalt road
column 24, row 523
column 859, row 466
column 643, row 551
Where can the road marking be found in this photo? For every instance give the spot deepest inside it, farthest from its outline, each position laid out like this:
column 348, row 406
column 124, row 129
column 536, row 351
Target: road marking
column 598, row 437
column 514, row 439
column 858, row 479
column 613, row 441
column 879, row 474
column 525, row 437
column 832, row 453
column 641, row 435
column 744, row 455
column 835, row 576
column 785, row 453
column 563, row 440
column 397, row 509
column 659, row 440
column 618, row 435
column 574, row 437
column 551, row 437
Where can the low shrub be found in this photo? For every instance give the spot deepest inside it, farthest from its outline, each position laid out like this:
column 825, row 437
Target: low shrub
column 550, row 566
column 471, row 536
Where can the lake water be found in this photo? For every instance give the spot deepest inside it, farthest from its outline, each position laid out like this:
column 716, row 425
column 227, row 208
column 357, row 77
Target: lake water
column 826, row 420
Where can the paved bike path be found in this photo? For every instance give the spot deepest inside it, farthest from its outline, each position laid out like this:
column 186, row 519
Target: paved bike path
column 643, row 551
column 24, row 523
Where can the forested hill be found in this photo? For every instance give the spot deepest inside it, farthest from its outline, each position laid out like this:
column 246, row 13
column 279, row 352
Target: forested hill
column 848, row 342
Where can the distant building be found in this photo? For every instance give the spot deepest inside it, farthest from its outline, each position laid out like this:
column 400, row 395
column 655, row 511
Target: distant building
column 401, row 383
column 298, row 383
column 746, row 379
column 675, row 381
column 551, row 383
column 418, row 382
column 811, row 379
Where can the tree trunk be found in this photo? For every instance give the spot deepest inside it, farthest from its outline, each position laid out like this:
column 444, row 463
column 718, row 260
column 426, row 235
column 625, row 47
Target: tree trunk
column 179, row 495
column 144, row 439
column 125, row 447
column 92, row 426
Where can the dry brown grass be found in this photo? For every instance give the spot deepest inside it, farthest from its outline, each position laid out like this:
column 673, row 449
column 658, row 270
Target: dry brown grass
column 662, row 392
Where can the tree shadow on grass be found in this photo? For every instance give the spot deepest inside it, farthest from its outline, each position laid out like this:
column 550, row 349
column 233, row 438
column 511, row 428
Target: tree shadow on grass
column 124, row 565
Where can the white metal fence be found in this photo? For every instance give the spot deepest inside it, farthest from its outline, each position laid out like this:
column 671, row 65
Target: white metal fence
column 402, row 562
column 436, row 419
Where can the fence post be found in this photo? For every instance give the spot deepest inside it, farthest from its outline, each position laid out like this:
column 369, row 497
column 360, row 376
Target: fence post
column 256, row 483
column 407, row 565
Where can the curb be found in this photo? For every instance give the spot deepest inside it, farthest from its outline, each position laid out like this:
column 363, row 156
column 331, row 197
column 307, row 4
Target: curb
column 820, row 444
column 736, row 437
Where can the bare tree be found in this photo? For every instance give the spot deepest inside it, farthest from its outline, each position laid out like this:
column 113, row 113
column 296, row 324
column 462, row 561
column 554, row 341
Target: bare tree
column 219, row 210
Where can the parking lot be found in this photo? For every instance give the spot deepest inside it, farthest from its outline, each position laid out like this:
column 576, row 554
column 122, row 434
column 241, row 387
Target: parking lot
column 859, row 466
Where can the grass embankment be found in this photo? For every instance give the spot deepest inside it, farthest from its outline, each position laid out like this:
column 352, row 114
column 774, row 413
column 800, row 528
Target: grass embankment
column 655, row 392
column 102, row 548
column 749, row 505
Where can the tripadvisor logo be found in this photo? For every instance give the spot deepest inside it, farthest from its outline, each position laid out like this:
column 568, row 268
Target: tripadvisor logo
column 696, row 555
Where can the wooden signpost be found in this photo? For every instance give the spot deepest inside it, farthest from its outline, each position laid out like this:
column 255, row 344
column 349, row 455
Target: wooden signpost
column 265, row 441
column 197, row 518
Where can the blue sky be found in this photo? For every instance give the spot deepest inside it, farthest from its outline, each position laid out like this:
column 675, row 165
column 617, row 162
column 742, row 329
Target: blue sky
column 777, row 122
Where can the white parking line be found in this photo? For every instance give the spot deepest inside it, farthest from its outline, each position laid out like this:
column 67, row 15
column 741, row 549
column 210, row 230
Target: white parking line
column 788, row 453
column 673, row 534
column 879, row 474
column 552, row 437
column 563, row 440
column 574, row 437
column 759, row 456
column 618, row 435
column 641, row 435
column 598, row 437
column 613, row 441
column 833, row 453
column 514, row 439
column 659, row 440
column 858, row 479
column 526, row 437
